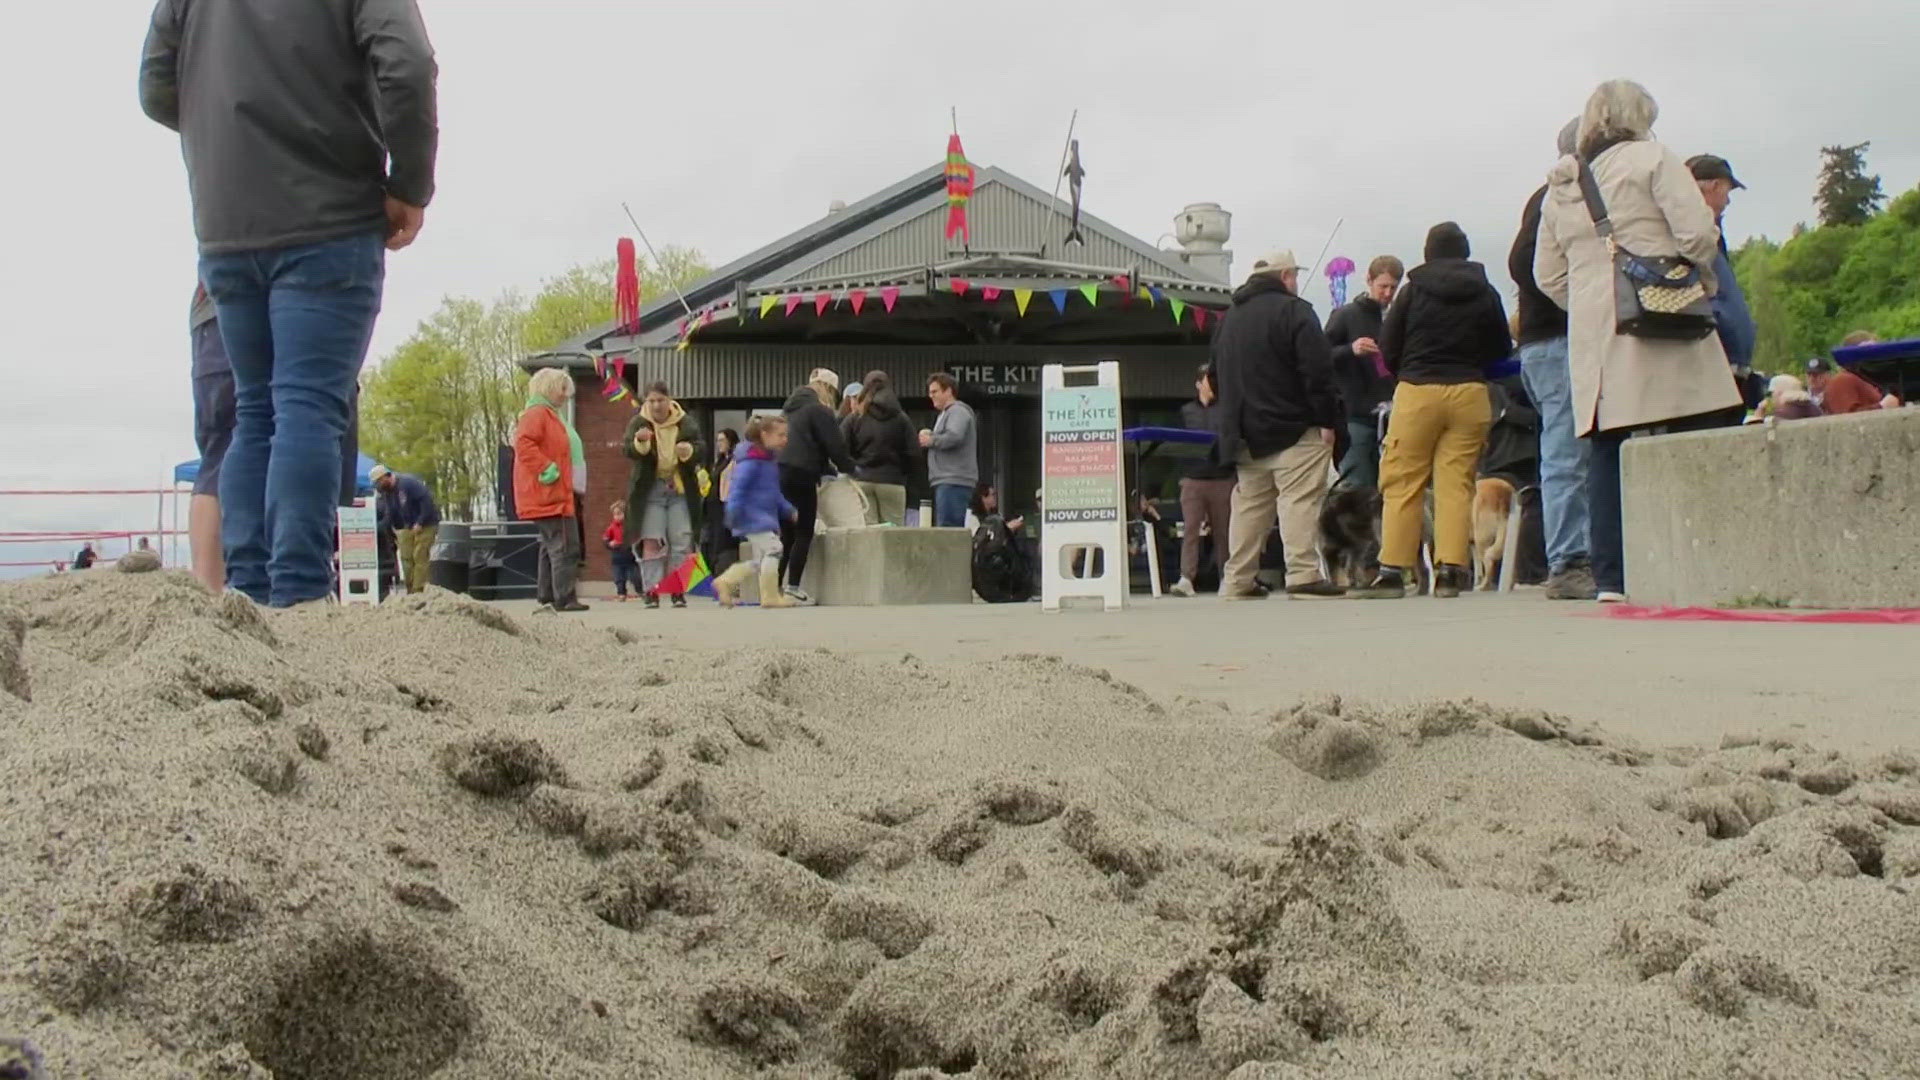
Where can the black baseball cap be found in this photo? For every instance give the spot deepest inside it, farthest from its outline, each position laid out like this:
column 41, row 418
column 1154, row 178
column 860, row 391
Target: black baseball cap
column 1817, row 365
column 1709, row 167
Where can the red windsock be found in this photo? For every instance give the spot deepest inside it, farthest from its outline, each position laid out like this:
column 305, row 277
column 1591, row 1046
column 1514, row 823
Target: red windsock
column 626, row 288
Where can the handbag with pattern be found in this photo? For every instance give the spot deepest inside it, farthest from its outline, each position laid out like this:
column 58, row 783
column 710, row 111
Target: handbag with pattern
column 1654, row 296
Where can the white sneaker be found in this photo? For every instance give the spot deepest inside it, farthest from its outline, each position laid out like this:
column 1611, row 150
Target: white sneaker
column 1183, row 587
column 1612, row 598
column 798, row 595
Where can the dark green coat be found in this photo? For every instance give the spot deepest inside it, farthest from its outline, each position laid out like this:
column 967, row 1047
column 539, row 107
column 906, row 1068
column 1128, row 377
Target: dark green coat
column 641, row 476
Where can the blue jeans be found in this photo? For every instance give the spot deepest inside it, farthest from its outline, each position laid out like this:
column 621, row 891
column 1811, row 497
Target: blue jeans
column 296, row 322
column 1564, row 458
column 950, row 502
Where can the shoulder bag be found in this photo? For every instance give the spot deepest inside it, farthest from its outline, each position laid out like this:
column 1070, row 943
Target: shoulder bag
column 1654, row 296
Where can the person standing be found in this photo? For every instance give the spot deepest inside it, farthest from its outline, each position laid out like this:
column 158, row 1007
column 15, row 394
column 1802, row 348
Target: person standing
column 1445, row 330
column 546, row 450
column 1624, row 383
column 755, row 509
column 1542, row 336
column 666, row 489
column 1206, row 492
column 720, row 546
column 814, row 444
column 1366, row 386
column 309, row 132
column 626, row 569
column 1731, row 318
column 882, row 443
column 1277, row 412
column 953, row 452
column 213, row 421
column 86, row 557
column 415, row 518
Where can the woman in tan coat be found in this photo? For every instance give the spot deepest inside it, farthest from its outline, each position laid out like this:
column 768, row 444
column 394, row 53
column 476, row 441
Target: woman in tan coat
column 1624, row 384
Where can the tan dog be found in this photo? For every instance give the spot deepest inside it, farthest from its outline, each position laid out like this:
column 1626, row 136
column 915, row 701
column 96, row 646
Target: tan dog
column 1492, row 503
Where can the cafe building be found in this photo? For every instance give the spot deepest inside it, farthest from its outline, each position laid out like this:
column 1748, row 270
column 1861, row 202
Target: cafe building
column 879, row 285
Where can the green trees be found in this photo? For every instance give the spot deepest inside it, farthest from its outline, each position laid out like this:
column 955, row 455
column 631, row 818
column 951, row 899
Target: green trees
column 1846, row 195
column 1823, row 283
column 441, row 404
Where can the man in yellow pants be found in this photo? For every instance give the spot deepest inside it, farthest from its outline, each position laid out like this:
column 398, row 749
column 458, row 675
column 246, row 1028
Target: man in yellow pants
column 415, row 518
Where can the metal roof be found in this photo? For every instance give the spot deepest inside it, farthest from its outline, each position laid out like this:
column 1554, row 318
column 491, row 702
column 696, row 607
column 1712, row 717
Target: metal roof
column 897, row 235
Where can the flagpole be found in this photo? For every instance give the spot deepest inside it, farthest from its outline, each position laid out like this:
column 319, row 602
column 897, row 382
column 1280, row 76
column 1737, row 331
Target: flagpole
column 1059, row 173
column 1325, row 246
column 657, row 264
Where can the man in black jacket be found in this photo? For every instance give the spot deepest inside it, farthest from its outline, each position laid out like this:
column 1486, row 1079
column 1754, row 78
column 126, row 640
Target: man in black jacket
column 309, row 130
column 1442, row 333
column 1277, row 413
column 1365, row 384
column 1543, row 364
column 1206, row 492
column 814, row 442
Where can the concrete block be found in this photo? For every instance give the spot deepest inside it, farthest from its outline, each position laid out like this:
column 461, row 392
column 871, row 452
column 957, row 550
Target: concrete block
column 1821, row 513
column 891, row 566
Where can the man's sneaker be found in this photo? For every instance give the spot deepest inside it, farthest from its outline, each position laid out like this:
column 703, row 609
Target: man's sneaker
column 1612, row 597
column 1183, row 587
column 652, row 601
column 1255, row 591
column 1448, row 581
column 1386, row 585
column 1315, row 590
column 1573, row 583
column 678, row 600
column 573, row 605
column 799, row 596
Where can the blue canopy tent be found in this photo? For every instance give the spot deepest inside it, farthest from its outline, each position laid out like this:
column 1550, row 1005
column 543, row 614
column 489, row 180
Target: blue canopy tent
column 187, row 471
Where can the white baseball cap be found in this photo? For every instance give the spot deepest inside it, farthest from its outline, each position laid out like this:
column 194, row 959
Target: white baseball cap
column 1275, row 262
column 378, row 473
column 826, row 377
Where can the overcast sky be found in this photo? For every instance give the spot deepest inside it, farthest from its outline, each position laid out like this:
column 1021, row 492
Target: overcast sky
column 726, row 124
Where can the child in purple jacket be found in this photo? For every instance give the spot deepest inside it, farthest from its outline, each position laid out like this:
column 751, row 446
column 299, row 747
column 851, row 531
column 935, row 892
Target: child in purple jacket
column 755, row 509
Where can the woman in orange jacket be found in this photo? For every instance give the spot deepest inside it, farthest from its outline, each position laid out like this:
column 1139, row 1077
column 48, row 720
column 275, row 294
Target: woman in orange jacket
column 546, row 455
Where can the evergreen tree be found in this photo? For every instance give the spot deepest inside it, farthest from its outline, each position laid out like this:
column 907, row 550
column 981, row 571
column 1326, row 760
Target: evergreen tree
column 1847, row 195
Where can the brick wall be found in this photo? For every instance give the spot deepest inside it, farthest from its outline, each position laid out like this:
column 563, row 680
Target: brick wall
column 601, row 424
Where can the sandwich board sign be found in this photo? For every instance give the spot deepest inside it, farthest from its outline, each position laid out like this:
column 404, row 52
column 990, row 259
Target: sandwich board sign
column 359, row 554
column 1083, row 550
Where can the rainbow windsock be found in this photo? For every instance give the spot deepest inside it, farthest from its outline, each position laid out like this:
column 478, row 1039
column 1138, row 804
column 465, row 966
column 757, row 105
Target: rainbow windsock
column 959, row 190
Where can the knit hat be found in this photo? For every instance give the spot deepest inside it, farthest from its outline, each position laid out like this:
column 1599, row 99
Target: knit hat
column 1447, row 241
column 1569, row 139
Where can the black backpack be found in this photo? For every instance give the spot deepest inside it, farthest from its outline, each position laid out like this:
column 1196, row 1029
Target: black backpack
column 1000, row 573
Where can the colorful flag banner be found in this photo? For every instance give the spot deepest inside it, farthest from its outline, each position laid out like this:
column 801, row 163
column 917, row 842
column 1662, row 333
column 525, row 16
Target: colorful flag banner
column 1179, row 307
column 959, row 190
column 1123, row 283
column 766, row 304
column 888, row 295
column 1059, row 298
column 961, row 285
column 1146, row 294
column 1155, row 293
column 620, row 370
column 1199, row 318
column 793, row 301
column 1021, row 298
column 1091, row 290
column 822, row 302
column 600, row 365
column 990, row 293
column 858, row 298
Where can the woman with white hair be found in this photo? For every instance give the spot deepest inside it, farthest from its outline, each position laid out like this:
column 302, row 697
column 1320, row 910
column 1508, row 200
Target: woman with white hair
column 1625, row 382
column 547, row 454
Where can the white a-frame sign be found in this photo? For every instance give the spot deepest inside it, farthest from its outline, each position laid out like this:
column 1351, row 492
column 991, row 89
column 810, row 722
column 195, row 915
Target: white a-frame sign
column 1083, row 533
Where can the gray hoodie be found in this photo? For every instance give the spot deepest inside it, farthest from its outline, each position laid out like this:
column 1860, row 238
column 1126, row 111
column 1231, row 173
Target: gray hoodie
column 954, row 457
column 297, row 117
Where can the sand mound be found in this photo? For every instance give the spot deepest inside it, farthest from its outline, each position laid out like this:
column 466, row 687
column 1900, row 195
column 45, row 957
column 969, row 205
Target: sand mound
column 436, row 840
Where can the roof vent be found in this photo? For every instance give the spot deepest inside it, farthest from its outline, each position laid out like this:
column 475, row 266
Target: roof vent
column 837, row 206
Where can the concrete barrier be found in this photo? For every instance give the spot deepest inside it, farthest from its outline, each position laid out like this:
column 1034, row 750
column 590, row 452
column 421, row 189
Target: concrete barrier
column 891, row 566
column 1820, row 513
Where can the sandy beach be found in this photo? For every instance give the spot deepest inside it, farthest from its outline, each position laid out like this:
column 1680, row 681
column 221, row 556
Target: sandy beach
column 441, row 839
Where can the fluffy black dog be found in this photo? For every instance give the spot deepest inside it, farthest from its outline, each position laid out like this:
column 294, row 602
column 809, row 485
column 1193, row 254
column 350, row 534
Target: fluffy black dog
column 1350, row 535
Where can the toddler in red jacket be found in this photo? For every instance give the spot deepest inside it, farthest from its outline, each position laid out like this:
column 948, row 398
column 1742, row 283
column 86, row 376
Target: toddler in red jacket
column 626, row 568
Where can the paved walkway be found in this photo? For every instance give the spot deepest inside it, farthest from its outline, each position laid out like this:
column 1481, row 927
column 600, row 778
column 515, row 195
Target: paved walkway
column 1662, row 683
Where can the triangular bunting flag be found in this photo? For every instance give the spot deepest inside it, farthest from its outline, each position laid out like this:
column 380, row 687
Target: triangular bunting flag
column 1155, row 293
column 706, row 317
column 792, row 303
column 1091, row 290
column 1123, row 283
column 600, row 365
column 1059, row 298
column 766, row 304
column 888, row 295
column 682, row 347
column 1179, row 307
column 1021, row 298
column 858, row 298
column 1147, row 295
column 683, row 328
column 620, row 370
column 961, row 285
column 821, row 303
column 990, row 293
column 1199, row 318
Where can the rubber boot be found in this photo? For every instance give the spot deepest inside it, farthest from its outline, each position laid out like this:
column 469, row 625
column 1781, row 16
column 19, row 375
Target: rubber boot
column 770, row 594
column 727, row 585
